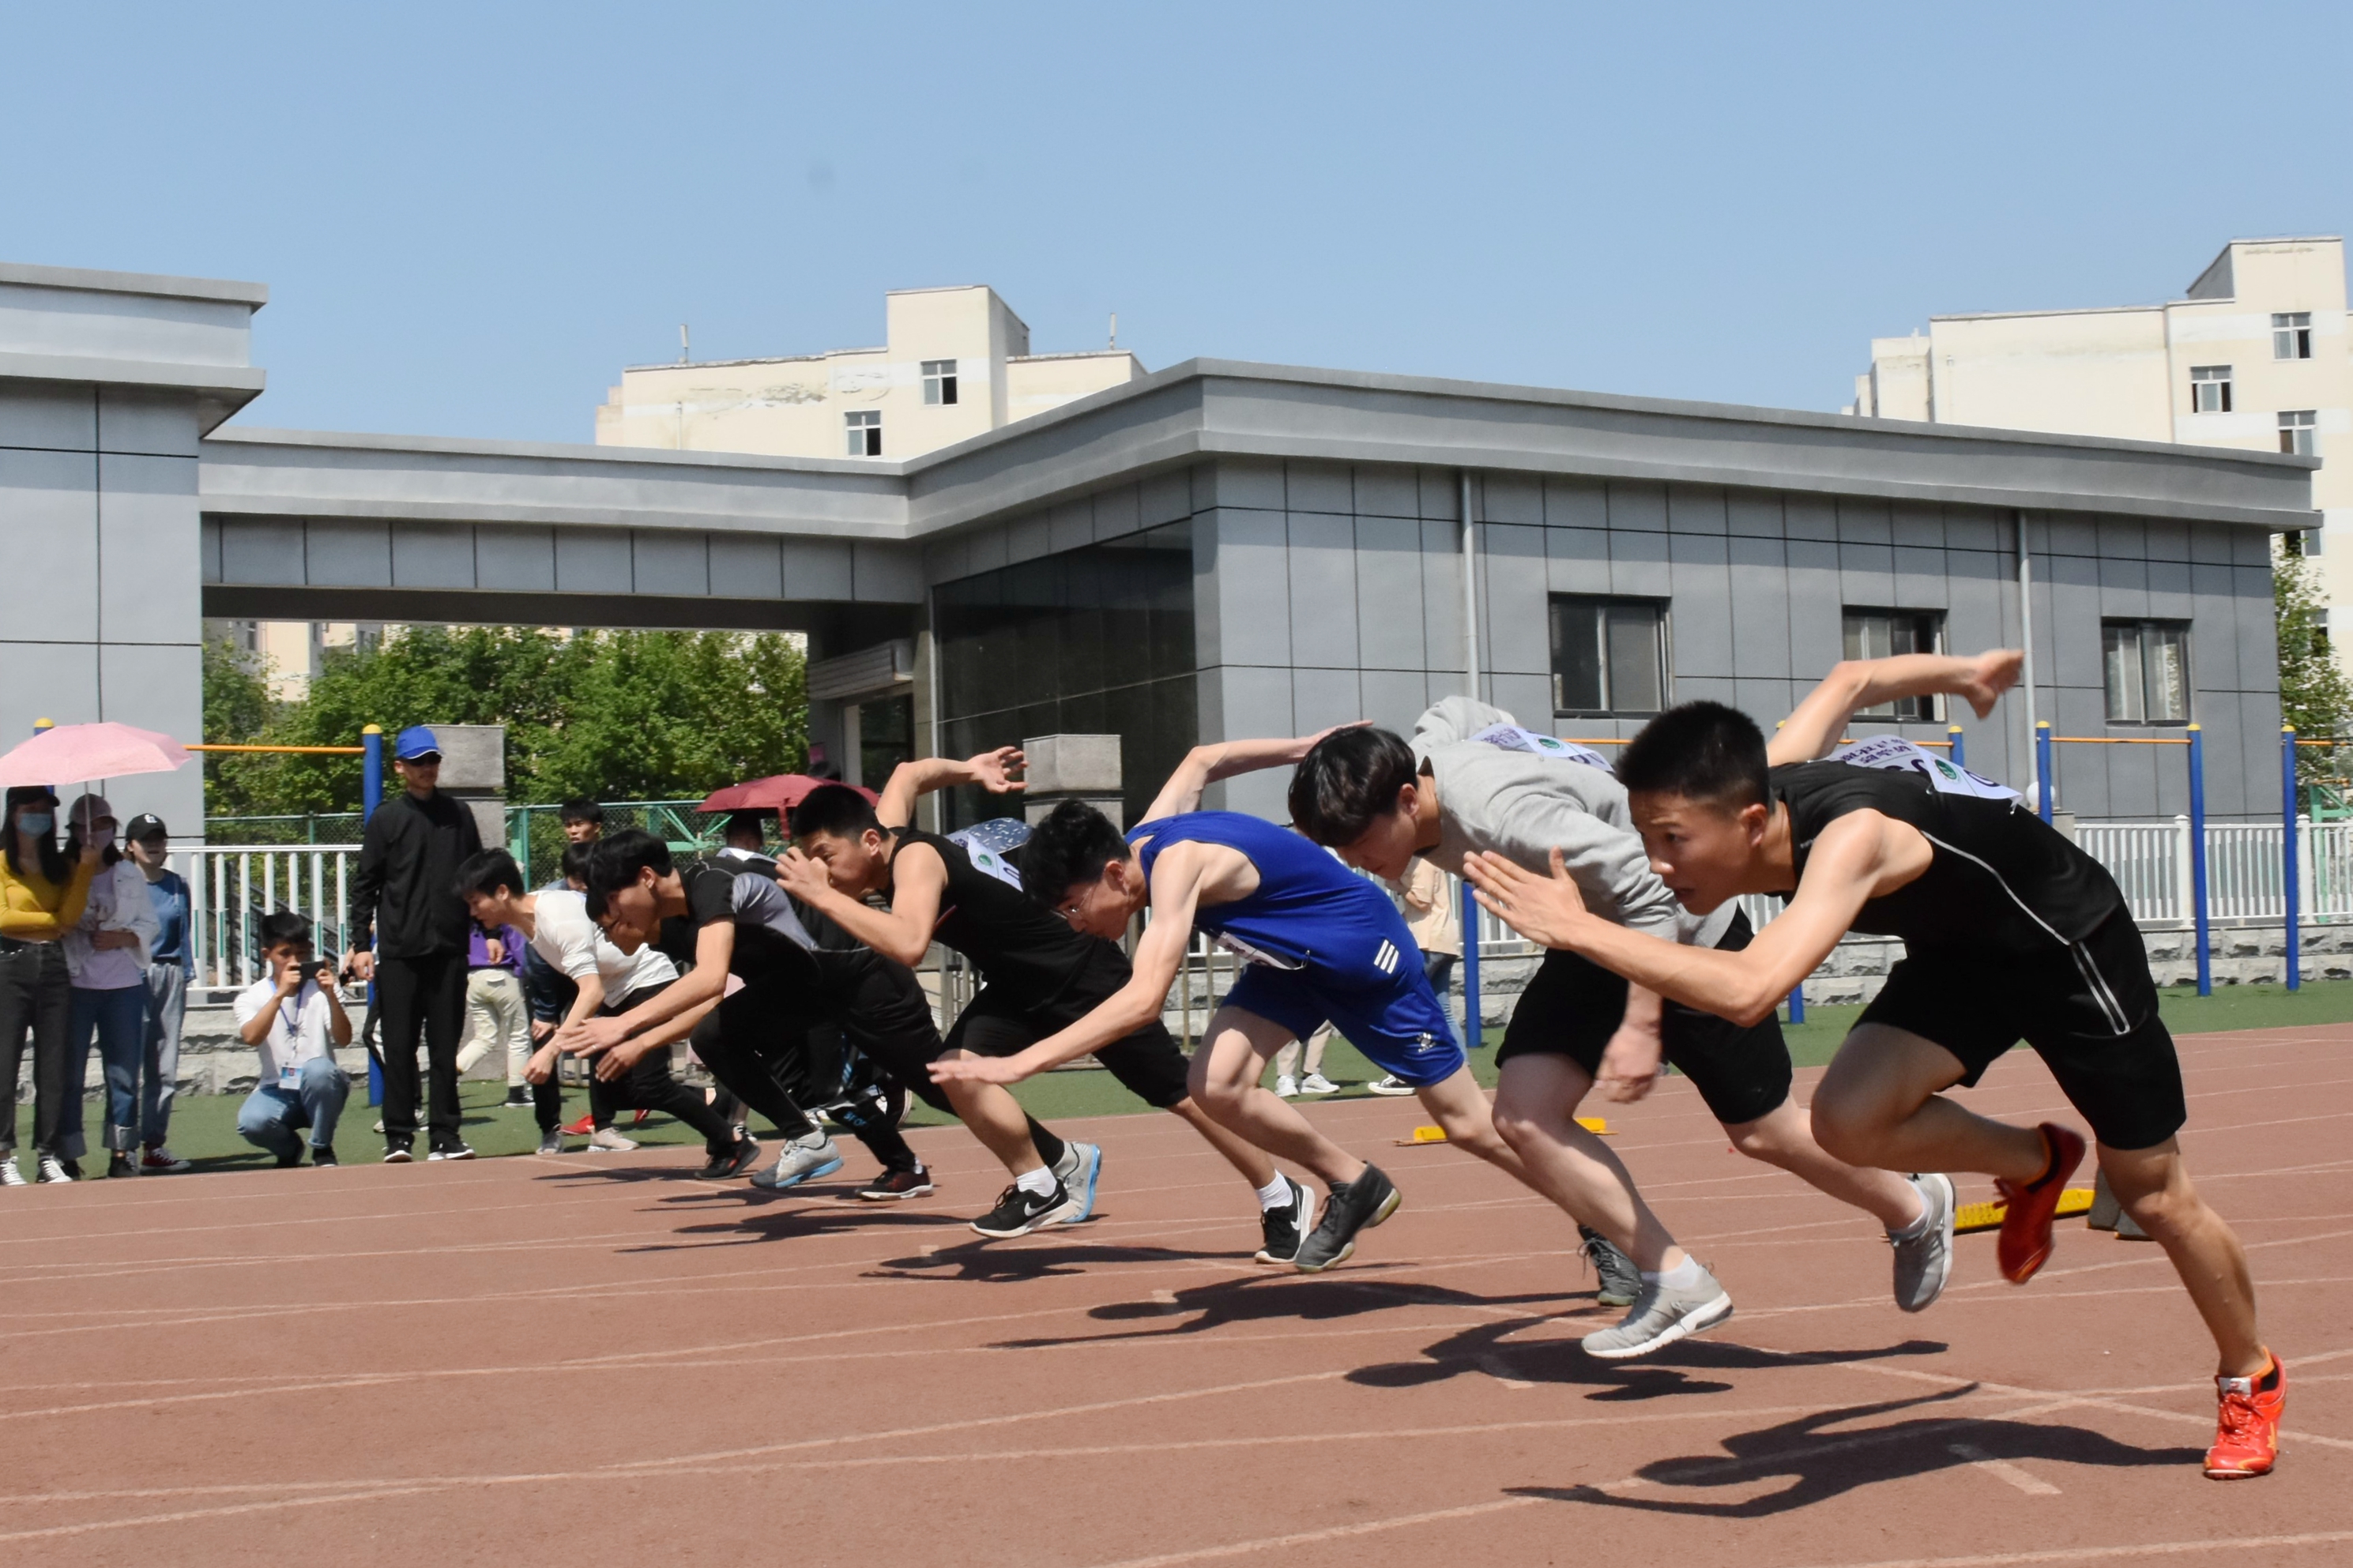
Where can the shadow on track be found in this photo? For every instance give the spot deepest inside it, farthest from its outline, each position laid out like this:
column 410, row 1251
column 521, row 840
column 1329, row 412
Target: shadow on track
column 1488, row 1349
column 1820, row 1465
column 1275, row 1295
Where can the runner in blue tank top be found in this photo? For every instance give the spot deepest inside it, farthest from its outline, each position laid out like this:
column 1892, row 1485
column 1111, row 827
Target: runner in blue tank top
column 1320, row 943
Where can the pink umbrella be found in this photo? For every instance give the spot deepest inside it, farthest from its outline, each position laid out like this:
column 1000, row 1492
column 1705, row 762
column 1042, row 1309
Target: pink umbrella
column 777, row 792
column 82, row 753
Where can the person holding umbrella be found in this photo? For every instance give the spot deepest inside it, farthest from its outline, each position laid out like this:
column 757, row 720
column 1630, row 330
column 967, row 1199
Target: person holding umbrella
column 107, row 953
column 41, row 898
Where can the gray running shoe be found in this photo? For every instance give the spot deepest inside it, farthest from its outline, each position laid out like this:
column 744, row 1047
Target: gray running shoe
column 812, row 1155
column 1661, row 1317
column 1358, row 1205
column 1924, row 1262
column 551, row 1141
column 1080, row 1170
column 1620, row 1280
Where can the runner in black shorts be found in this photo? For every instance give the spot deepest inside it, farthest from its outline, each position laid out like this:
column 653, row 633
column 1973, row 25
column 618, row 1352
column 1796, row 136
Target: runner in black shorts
column 743, row 924
column 2009, row 931
column 1039, row 976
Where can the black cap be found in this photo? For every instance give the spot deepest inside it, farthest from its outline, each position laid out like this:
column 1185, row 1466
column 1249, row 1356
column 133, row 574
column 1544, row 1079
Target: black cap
column 143, row 826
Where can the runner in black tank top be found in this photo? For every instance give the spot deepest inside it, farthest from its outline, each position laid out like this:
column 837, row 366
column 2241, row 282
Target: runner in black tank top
column 2010, row 932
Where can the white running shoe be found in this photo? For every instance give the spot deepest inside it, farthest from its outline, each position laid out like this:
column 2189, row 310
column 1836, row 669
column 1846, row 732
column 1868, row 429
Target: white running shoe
column 803, row 1159
column 54, row 1170
column 605, row 1140
column 1316, row 1083
column 1080, row 1173
column 10, row 1176
column 1924, row 1262
column 1286, row 1088
column 1391, row 1085
column 1661, row 1316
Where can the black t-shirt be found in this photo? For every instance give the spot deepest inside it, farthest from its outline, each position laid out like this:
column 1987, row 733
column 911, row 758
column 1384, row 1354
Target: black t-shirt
column 2000, row 880
column 1027, row 952
column 769, row 932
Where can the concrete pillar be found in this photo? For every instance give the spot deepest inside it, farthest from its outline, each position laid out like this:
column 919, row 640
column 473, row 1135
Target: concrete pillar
column 1073, row 767
column 474, row 769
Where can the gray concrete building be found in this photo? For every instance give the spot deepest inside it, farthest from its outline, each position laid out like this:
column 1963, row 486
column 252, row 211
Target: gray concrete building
column 1216, row 550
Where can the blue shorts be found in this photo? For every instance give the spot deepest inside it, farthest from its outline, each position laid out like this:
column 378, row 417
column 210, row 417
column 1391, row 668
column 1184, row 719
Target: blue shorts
column 1397, row 1023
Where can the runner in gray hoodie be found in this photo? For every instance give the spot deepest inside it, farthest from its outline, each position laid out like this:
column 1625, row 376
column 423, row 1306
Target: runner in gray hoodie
column 1472, row 780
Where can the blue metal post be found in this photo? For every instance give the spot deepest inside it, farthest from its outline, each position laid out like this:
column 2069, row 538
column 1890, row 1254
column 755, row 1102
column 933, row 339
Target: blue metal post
column 2294, row 899
column 2199, row 923
column 1472, row 1034
column 2042, row 769
column 1798, row 1003
column 372, row 796
column 1959, row 753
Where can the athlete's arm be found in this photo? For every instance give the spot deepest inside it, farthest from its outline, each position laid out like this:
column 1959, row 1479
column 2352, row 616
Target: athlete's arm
column 909, row 782
column 613, row 1065
column 1856, row 857
column 1205, row 765
column 1178, row 877
column 1820, row 723
column 714, row 948
column 902, row 933
column 1628, row 1068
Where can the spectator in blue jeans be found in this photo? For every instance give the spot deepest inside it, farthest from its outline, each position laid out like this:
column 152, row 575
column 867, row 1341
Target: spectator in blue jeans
column 106, row 955
column 296, row 1024
column 171, row 962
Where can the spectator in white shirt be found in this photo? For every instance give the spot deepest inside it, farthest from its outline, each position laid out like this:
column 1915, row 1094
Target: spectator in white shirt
column 296, row 1024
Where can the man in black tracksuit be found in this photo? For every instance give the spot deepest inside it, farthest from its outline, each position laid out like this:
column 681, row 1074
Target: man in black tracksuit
column 405, row 897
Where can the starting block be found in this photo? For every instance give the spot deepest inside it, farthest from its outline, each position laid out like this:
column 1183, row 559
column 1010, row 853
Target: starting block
column 1988, row 1216
column 1597, row 1125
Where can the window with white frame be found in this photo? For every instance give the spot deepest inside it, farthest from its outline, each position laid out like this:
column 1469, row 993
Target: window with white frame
column 2292, row 334
column 939, row 380
column 2298, row 428
column 1608, row 656
column 2146, row 669
column 864, row 427
column 2210, row 389
column 1882, row 633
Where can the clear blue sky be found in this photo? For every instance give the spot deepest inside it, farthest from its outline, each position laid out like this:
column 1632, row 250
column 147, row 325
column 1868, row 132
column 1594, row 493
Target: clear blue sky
column 471, row 216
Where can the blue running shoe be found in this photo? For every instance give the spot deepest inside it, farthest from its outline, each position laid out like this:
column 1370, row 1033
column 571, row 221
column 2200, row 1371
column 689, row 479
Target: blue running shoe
column 1079, row 1169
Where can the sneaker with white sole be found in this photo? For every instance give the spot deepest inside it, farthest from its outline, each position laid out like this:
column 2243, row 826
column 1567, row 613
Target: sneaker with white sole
column 1017, row 1213
column 1287, row 1226
column 1286, row 1087
column 159, row 1161
column 10, row 1176
column 1356, row 1206
column 54, row 1170
column 1080, row 1170
column 1924, row 1261
column 1619, row 1283
column 804, row 1158
column 1391, row 1085
column 1316, row 1083
column 605, row 1140
column 551, row 1141
column 451, row 1152
column 1661, row 1315
column 727, row 1164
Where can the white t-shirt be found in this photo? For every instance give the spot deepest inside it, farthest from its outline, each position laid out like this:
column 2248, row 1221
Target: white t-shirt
column 562, row 934
column 302, row 1030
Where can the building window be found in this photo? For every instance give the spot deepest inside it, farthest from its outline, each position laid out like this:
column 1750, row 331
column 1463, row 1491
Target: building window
column 865, row 428
column 2297, row 428
column 2210, row 389
column 1882, row 633
column 2308, row 542
column 939, row 380
column 2292, row 334
column 1608, row 656
column 2148, row 671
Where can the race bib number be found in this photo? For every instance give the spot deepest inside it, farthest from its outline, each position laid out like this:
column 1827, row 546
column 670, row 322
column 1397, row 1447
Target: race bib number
column 1897, row 755
column 1512, row 738
column 987, row 842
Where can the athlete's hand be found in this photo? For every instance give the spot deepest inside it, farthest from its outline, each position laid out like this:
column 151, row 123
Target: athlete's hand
column 615, row 1065
column 993, row 771
column 1547, row 910
column 542, row 1066
column 976, row 1069
column 542, row 1030
column 801, row 876
column 1630, row 1064
column 1991, row 673
column 590, row 1035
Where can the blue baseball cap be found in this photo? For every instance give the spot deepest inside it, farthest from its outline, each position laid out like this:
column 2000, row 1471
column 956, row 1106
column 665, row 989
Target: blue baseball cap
column 415, row 741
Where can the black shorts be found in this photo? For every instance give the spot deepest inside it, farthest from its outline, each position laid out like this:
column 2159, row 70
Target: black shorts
column 1147, row 1063
column 2090, row 1013
column 1573, row 1005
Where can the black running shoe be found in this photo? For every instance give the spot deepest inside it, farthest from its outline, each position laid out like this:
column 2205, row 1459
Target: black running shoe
column 892, row 1185
column 1287, row 1225
column 1017, row 1213
column 1360, row 1205
column 1620, row 1281
column 322, row 1156
column 732, row 1161
column 396, row 1151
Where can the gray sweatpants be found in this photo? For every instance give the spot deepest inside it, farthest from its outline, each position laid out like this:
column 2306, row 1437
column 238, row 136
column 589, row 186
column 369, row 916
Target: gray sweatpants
column 167, row 1004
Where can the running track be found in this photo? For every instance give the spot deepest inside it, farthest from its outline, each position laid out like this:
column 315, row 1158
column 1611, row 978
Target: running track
column 600, row 1360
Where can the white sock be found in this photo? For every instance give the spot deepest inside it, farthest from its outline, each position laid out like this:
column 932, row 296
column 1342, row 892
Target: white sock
column 1276, row 1193
column 1681, row 1276
column 1039, row 1183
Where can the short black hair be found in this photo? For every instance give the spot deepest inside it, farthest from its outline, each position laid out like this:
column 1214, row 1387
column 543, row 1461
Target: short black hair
column 836, row 809
column 488, row 870
column 574, row 863
column 284, row 928
column 753, row 821
column 618, row 860
column 1702, row 750
column 1071, row 846
column 1346, row 780
column 580, row 809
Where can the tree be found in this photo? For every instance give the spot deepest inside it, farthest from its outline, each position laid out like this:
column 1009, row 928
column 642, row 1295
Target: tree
column 238, row 710
column 2314, row 696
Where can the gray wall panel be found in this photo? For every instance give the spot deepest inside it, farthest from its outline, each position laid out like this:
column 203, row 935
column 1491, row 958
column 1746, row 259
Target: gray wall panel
column 1318, row 487
column 1253, row 587
column 520, row 560
column 1388, row 593
column 1701, row 619
column 49, row 503
column 1576, row 503
column 149, row 577
column 1759, row 608
column 743, row 566
column 440, row 555
column 819, row 569
column 678, row 564
column 1322, row 566
column 1516, row 624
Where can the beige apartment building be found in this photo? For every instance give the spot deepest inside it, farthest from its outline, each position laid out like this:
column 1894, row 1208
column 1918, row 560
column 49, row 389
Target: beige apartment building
column 955, row 363
column 2256, row 355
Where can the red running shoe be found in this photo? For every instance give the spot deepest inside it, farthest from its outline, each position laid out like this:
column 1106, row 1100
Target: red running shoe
column 584, row 1126
column 2246, row 1436
column 2025, row 1242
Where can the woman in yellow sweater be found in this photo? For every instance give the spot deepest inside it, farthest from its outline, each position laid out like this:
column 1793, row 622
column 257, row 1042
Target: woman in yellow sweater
column 41, row 898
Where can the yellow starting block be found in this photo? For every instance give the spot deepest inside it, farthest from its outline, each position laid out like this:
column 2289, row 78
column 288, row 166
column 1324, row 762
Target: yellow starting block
column 1597, row 1125
column 1987, row 1215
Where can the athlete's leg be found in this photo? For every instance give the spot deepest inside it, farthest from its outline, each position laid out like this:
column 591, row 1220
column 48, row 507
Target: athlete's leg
column 1240, row 1154
column 1149, row 1065
column 1784, row 1137
column 2154, row 1187
column 1536, row 1113
column 997, row 1118
column 1883, row 1103
column 1224, row 1083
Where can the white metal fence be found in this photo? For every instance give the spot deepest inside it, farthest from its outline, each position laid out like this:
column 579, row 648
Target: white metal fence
column 2151, row 861
column 231, row 887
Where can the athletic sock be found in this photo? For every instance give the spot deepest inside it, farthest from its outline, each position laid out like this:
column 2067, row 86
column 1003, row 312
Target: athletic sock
column 1276, row 1193
column 1050, row 1148
column 1918, row 1227
column 1681, row 1276
column 1037, row 1183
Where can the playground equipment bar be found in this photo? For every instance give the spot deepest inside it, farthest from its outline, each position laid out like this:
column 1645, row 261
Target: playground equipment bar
column 2195, row 739
column 287, row 751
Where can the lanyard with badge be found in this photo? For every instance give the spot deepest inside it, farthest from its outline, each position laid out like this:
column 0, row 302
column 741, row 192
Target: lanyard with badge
column 289, row 1071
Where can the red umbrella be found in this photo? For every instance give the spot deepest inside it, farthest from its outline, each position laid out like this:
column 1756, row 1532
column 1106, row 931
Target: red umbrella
column 779, row 792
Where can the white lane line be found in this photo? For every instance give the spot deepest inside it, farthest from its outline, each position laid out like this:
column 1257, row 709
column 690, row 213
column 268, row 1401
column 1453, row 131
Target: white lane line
column 2004, row 1470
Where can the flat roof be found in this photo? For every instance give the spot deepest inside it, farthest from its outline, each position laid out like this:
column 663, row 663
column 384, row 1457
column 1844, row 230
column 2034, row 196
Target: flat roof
column 159, row 284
